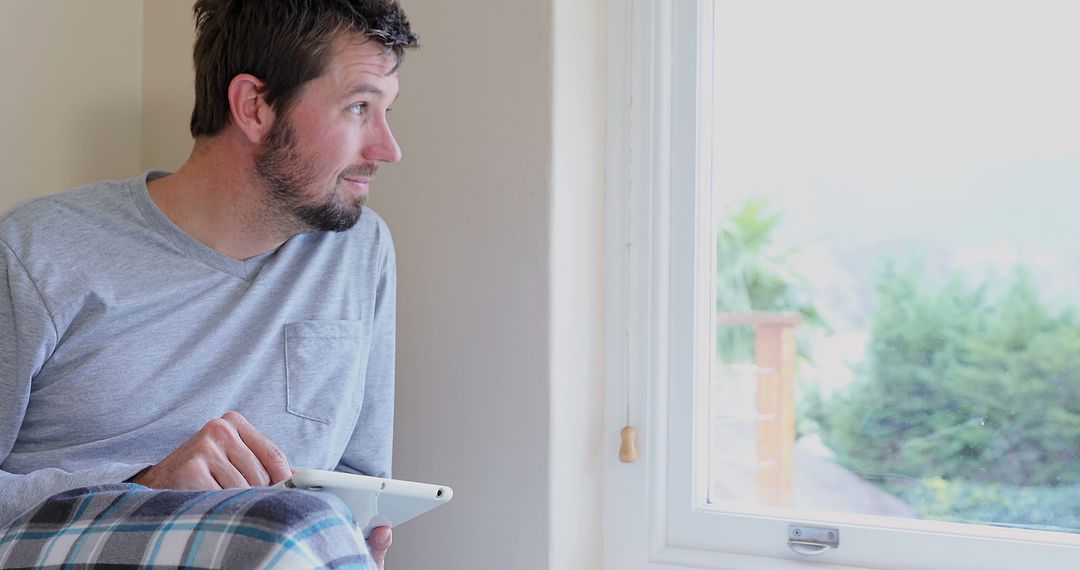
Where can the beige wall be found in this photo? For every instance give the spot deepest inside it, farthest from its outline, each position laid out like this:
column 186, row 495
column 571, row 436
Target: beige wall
column 91, row 91
column 496, row 213
column 71, row 98
column 168, row 83
column 469, row 207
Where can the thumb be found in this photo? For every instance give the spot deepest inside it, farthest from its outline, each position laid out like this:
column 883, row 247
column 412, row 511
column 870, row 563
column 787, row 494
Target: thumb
column 378, row 544
column 381, row 538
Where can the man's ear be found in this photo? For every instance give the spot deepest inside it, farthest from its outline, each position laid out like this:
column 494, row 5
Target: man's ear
column 248, row 108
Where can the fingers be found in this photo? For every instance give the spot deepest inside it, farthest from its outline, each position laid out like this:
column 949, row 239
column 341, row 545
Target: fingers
column 191, row 474
column 271, row 460
column 379, row 542
column 207, row 470
column 228, row 452
column 228, row 458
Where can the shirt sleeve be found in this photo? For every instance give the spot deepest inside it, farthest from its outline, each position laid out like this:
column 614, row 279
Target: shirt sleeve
column 28, row 336
column 369, row 451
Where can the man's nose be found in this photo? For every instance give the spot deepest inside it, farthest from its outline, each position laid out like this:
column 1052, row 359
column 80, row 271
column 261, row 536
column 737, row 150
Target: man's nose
column 382, row 146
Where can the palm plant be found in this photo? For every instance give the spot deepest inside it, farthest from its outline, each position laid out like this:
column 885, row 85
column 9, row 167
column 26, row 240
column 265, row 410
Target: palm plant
column 753, row 275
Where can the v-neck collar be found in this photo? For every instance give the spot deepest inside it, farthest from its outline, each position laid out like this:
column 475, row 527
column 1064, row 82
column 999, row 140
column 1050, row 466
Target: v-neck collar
column 245, row 269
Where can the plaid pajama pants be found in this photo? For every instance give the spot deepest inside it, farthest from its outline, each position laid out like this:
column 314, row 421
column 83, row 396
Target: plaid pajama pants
column 129, row 526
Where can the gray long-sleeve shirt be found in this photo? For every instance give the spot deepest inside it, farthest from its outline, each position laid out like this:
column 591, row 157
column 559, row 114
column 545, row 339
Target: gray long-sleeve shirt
column 121, row 336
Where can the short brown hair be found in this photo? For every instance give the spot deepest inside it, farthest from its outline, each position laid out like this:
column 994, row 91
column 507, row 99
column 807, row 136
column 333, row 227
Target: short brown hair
column 285, row 43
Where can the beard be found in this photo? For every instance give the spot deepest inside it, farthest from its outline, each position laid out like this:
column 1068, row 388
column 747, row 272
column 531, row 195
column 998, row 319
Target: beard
column 287, row 174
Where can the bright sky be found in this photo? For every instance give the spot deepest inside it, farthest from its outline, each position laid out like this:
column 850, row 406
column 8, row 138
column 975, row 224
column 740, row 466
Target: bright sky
column 954, row 123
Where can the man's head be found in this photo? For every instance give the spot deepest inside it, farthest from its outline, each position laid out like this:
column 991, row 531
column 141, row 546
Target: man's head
column 285, row 43
column 324, row 71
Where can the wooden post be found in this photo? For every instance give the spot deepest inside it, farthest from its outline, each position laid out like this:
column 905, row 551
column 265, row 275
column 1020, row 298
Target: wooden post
column 776, row 353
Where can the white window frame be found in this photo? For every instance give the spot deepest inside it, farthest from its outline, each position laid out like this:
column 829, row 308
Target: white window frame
column 656, row 347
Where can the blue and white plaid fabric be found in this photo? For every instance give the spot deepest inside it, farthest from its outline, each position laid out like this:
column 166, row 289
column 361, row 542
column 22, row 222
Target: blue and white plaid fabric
column 130, row 526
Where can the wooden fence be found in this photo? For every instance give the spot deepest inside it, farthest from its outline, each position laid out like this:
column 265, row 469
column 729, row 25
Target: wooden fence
column 775, row 357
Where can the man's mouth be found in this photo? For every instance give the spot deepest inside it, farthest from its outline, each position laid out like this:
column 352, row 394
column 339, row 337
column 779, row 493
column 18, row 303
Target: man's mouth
column 361, row 183
column 359, row 176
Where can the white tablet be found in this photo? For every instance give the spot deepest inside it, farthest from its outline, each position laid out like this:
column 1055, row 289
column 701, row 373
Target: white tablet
column 374, row 501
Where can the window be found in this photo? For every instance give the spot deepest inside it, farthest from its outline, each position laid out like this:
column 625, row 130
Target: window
column 842, row 286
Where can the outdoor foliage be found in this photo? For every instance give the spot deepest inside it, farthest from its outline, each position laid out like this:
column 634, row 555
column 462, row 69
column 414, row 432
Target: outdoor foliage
column 967, row 405
column 754, row 275
column 1045, row 508
column 976, row 390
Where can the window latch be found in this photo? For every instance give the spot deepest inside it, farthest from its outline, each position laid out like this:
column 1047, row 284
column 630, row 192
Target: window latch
column 812, row 540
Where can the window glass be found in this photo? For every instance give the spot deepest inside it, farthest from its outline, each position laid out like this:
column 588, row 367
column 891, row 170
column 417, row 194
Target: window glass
column 898, row 316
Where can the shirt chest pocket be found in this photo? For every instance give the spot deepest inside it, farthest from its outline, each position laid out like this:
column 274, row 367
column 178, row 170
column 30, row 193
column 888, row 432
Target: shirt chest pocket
column 324, row 369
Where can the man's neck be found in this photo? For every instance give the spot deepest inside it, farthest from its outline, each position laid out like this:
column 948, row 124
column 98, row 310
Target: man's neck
column 217, row 200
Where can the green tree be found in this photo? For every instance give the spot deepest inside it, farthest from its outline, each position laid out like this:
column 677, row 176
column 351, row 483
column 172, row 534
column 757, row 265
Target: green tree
column 1026, row 386
column 885, row 422
column 963, row 387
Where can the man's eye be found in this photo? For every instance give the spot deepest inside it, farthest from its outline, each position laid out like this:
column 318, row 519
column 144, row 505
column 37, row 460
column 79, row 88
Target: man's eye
column 358, row 109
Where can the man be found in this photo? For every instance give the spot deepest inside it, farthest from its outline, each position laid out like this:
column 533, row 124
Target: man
column 210, row 329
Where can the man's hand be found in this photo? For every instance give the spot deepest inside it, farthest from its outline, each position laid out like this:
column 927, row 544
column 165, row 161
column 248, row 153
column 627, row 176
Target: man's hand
column 227, row 452
column 378, row 543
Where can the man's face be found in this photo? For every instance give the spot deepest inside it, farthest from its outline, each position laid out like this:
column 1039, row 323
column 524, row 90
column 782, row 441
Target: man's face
column 320, row 157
